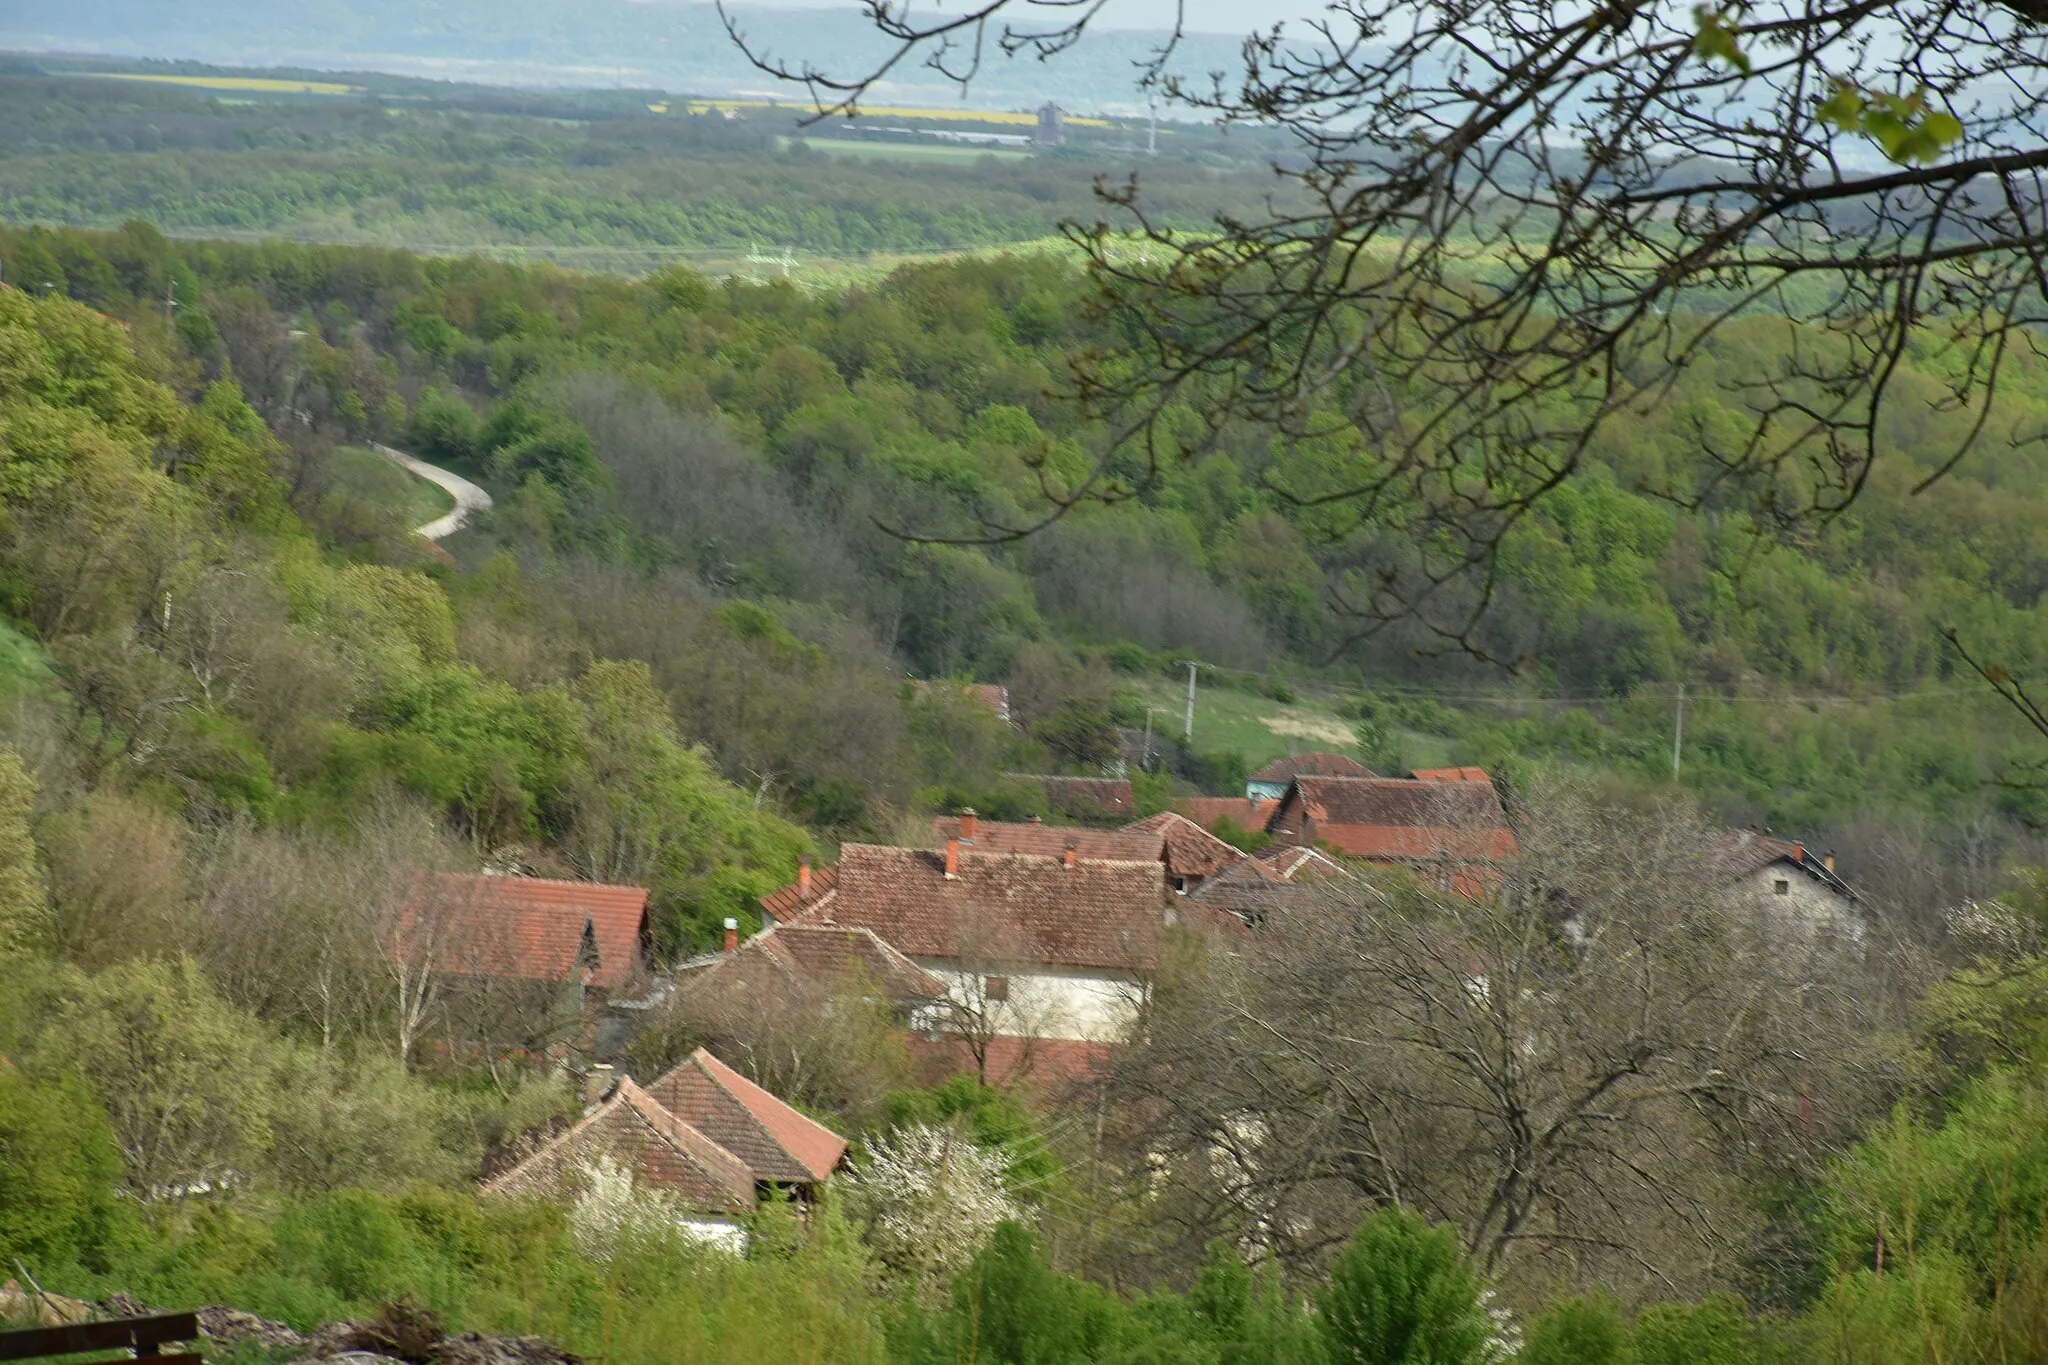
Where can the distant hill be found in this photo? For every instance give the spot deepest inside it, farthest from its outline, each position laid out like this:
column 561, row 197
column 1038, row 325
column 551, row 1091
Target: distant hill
column 681, row 48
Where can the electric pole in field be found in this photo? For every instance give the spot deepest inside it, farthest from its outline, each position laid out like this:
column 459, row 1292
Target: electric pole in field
column 1188, row 726
column 1678, row 733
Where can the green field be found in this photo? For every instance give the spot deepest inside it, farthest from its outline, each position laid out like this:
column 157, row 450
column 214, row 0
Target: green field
column 369, row 475
column 1261, row 729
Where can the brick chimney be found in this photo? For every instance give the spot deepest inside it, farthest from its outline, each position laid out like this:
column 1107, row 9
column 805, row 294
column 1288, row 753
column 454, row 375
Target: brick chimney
column 969, row 822
column 1829, row 862
column 803, row 876
column 952, row 859
column 1072, row 853
column 597, row 1083
column 1799, row 853
column 732, row 934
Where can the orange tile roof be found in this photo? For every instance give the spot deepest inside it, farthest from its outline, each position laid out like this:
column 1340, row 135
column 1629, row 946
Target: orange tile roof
column 1051, row 841
column 636, row 1130
column 790, row 901
column 1026, row 909
column 1392, row 820
column 814, row 959
column 524, row 928
column 775, row 1140
column 1244, row 813
column 1451, row 775
column 1190, row 850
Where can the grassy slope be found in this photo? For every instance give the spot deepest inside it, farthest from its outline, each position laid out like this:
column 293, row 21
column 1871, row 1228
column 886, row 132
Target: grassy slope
column 370, row 475
column 1262, row 729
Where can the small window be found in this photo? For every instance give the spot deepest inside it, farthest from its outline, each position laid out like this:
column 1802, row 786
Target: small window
column 996, row 987
column 1180, row 885
column 1781, row 886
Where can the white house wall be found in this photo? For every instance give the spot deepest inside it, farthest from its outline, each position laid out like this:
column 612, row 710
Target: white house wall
column 1805, row 910
column 1089, row 1007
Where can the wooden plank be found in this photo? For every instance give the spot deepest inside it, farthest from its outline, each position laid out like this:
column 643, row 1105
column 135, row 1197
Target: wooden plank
column 136, row 1334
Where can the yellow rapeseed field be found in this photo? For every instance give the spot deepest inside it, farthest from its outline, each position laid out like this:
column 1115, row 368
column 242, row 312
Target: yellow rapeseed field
column 259, row 85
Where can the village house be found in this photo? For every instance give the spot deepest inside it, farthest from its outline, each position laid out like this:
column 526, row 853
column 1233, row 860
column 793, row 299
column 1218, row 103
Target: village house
column 1188, row 852
column 802, row 965
column 1255, row 889
column 1799, row 893
column 1271, row 782
column 702, row 1134
column 1248, row 813
column 518, row 963
column 789, row 1154
column 1045, row 959
column 1452, row 830
column 630, row 1128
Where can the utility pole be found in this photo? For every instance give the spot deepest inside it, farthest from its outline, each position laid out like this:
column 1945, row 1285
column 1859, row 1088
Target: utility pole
column 1152, row 130
column 1188, row 728
column 170, row 304
column 1678, row 733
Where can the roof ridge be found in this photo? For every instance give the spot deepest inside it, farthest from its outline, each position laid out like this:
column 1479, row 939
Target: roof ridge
column 521, row 879
column 738, row 1088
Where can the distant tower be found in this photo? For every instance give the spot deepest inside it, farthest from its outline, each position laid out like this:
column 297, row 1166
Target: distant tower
column 1051, row 131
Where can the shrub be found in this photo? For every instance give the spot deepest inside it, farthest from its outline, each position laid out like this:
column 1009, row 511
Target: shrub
column 1402, row 1293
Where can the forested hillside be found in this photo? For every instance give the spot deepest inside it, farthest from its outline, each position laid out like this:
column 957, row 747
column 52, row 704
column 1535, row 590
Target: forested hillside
column 427, row 164
column 740, row 460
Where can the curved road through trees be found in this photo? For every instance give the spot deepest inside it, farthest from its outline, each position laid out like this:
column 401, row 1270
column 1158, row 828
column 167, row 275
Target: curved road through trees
column 468, row 497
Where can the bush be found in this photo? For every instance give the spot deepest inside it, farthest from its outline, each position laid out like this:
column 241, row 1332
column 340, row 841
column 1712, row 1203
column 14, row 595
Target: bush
column 1588, row 1331
column 58, row 1170
column 1402, row 1293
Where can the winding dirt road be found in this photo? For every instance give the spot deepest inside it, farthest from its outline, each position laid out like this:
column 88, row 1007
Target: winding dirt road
column 468, row 497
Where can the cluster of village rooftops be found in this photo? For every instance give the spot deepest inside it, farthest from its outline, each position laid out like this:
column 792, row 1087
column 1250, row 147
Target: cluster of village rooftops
column 1018, row 950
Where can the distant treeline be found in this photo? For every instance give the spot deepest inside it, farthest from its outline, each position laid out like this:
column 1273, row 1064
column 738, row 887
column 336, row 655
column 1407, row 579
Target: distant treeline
column 96, row 152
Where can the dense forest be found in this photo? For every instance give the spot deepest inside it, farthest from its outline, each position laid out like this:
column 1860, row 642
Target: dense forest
column 243, row 698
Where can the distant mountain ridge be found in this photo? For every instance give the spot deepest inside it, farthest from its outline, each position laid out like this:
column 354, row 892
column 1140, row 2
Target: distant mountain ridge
column 681, row 48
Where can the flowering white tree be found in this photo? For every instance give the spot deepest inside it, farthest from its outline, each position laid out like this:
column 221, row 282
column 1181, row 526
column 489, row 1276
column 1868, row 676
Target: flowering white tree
column 930, row 1198
column 612, row 1207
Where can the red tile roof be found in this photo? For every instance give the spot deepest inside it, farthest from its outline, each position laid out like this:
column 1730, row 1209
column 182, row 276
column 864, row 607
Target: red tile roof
column 1451, row 775
column 637, row 1131
column 1743, row 853
column 1016, row 907
column 1190, row 850
column 1051, row 841
column 816, row 959
column 1319, row 763
column 790, row 901
column 1392, row 820
column 525, row 928
column 777, row 1142
column 1245, row 814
